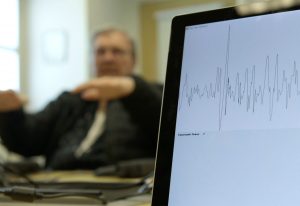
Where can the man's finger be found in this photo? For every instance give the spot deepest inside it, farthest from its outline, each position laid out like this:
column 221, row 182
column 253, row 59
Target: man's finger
column 91, row 94
column 23, row 98
column 90, row 84
column 82, row 87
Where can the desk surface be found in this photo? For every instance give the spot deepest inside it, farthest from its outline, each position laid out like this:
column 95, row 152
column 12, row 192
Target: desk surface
column 135, row 201
column 77, row 176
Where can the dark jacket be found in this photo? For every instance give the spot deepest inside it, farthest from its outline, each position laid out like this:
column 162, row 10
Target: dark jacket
column 57, row 131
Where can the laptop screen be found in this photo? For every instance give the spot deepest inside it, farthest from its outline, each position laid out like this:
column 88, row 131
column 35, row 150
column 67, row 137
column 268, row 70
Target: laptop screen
column 237, row 136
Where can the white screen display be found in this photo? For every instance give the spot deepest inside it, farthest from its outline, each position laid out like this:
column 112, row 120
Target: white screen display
column 237, row 137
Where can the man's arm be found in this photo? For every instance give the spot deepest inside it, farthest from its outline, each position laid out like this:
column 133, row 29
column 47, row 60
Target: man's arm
column 142, row 99
column 27, row 134
column 144, row 105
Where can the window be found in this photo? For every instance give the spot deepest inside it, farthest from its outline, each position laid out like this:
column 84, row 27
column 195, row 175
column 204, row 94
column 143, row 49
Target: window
column 9, row 45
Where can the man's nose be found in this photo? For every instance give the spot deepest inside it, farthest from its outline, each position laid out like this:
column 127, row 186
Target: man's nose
column 108, row 56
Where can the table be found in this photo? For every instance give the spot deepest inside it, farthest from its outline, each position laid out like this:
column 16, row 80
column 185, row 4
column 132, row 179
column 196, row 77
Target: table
column 76, row 176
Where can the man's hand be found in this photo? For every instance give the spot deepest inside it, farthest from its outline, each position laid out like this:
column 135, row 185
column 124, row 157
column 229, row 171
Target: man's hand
column 10, row 101
column 106, row 88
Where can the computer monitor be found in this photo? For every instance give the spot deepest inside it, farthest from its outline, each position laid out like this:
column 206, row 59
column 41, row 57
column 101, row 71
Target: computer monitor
column 230, row 123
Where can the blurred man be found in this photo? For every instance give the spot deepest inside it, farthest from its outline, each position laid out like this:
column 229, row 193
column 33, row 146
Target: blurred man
column 110, row 118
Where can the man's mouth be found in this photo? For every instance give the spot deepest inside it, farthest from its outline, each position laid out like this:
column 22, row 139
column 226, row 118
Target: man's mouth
column 108, row 71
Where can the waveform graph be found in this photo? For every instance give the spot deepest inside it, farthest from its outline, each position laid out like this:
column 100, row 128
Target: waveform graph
column 255, row 87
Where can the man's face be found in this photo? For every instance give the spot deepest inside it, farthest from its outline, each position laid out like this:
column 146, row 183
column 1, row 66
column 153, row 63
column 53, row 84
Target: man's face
column 113, row 55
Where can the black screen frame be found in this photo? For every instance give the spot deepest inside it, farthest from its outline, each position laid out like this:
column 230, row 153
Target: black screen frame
column 172, row 83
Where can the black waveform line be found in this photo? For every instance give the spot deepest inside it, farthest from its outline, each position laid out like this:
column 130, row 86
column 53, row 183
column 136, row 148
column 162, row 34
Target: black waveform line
column 244, row 90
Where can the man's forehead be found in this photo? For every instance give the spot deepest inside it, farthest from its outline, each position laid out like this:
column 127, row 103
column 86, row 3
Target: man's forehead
column 113, row 39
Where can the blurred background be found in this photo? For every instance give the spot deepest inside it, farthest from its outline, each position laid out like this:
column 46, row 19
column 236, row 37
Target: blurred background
column 45, row 44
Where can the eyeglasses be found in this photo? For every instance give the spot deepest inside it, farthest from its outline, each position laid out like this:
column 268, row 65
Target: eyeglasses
column 117, row 52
